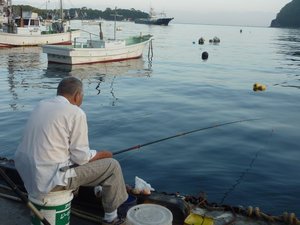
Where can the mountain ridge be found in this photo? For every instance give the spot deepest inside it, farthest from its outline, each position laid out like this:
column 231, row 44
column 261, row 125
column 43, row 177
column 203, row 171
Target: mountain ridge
column 289, row 16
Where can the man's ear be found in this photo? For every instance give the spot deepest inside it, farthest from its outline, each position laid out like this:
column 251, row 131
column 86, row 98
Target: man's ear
column 77, row 96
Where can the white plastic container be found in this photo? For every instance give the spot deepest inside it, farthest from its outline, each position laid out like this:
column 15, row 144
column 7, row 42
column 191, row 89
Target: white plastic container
column 149, row 214
column 55, row 207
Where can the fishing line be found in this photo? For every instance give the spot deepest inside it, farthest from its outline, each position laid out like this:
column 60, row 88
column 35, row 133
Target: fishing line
column 244, row 173
column 65, row 168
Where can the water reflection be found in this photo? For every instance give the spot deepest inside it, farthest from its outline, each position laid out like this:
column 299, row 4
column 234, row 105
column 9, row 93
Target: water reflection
column 15, row 61
column 288, row 46
column 21, row 58
column 134, row 68
column 99, row 73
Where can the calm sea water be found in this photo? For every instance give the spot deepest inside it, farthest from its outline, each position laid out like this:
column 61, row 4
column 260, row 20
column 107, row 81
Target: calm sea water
column 133, row 102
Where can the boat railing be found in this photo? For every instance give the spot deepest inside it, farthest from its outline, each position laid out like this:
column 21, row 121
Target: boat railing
column 86, row 41
column 81, row 42
column 90, row 34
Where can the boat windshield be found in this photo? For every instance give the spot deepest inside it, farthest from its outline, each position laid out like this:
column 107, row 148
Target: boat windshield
column 27, row 22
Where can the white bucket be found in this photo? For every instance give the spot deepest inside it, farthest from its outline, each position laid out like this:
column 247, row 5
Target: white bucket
column 55, row 207
column 149, row 214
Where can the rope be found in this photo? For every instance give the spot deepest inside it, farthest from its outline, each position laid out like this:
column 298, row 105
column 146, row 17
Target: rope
column 17, row 199
column 85, row 215
column 97, row 35
column 255, row 213
column 150, row 51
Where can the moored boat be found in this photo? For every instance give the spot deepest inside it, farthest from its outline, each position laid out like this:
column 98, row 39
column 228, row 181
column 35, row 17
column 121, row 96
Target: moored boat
column 95, row 51
column 154, row 20
column 27, row 30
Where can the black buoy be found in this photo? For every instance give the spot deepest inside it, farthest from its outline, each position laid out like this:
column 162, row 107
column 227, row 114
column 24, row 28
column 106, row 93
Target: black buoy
column 204, row 55
column 201, row 41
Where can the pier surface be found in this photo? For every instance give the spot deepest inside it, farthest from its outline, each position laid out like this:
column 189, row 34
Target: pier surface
column 16, row 213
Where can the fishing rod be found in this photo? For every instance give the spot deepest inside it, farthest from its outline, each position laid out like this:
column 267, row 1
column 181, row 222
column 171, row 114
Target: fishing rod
column 180, row 134
column 24, row 198
column 65, row 168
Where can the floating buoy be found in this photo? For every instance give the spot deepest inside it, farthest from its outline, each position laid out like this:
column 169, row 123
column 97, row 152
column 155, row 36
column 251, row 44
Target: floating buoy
column 201, row 41
column 198, row 219
column 216, row 40
column 204, row 55
column 259, row 87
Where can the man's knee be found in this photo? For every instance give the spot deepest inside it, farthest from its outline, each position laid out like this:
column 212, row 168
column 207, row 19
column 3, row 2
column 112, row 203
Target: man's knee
column 115, row 165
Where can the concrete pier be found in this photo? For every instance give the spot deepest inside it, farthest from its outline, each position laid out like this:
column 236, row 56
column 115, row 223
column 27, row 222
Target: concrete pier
column 17, row 213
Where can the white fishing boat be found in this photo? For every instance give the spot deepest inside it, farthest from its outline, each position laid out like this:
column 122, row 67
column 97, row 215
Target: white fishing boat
column 95, row 51
column 99, row 50
column 27, row 30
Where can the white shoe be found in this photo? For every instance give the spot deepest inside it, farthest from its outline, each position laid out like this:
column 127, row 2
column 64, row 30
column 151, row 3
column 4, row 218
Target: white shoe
column 98, row 191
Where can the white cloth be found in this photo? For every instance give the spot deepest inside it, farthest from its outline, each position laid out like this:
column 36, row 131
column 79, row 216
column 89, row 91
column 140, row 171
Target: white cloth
column 55, row 136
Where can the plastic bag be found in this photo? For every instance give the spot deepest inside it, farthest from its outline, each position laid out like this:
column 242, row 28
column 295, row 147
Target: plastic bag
column 142, row 187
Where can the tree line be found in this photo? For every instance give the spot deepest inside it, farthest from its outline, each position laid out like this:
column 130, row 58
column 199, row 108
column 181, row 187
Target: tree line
column 83, row 13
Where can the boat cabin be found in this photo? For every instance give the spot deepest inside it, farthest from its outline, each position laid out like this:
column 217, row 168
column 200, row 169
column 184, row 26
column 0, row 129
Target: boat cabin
column 29, row 24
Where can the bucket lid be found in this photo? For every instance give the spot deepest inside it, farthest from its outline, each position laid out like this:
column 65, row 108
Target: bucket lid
column 149, row 214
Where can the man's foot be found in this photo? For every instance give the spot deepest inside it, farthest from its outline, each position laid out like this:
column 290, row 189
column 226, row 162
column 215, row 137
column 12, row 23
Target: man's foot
column 117, row 221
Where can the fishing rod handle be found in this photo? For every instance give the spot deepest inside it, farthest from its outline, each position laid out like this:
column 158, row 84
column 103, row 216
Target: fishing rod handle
column 65, row 168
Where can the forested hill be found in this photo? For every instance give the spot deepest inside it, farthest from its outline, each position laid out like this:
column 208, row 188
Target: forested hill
column 289, row 16
column 84, row 13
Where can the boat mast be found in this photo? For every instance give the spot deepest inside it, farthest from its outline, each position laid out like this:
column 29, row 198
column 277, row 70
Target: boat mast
column 9, row 10
column 61, row 11
column 115, row 25
column 10, row 22
column 101, row 33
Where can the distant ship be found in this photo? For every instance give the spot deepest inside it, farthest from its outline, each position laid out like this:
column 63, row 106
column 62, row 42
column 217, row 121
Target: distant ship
column 154, row 20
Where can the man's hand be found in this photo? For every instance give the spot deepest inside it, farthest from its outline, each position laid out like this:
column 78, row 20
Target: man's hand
column 102, row 155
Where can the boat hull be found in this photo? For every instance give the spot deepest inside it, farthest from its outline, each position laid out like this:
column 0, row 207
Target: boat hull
column 159, row 21
column 75, row 56
column 17, row 40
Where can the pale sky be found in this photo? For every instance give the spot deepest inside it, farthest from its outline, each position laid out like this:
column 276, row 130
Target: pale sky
column 224, row 12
